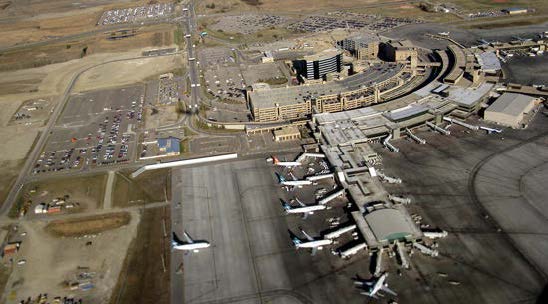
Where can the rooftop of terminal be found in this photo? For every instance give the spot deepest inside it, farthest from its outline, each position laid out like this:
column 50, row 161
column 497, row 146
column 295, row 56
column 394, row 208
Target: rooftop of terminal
column 264, row 96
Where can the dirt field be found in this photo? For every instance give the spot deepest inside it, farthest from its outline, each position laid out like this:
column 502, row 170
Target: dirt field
column 52, row 262
column 126, row 72
column 165, row 115
column 23, row 22
column 279, row 5
column 87, row 191
column 152, row 36
column 87, row 225
column 143, row 279
column 151, row 186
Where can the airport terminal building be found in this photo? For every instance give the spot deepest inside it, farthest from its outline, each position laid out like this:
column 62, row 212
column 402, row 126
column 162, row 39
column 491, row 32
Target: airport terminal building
column 318, row 65
column 281, row 104
column 363, row 47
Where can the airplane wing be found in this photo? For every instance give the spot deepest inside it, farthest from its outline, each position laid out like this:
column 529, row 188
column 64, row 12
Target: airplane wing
column 307, row 236
column 369, row 295
column 299, row 201
column 293, row 176
column 388, row 290
column 188, row 238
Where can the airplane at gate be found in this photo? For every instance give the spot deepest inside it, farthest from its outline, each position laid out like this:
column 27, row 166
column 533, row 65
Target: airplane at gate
column 288, row 164
column 374, row 286
column 293, row 183
column 311, row 243
column 303, row 209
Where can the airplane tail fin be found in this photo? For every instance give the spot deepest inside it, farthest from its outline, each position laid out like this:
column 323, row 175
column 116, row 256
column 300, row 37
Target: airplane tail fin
column 286, row 206
column 175, row 241
column 296, row 241
column 281, row 179
column 275, row 160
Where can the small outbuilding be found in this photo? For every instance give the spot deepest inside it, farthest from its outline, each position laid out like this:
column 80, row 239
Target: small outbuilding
column 509, row 109
column 169, row 146
column 287, row 134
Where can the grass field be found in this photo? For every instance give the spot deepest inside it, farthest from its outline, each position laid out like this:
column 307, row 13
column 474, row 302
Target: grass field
column 9, row 171
column 87, row 225
column 38, row 20
column 539, row 5
column 152, row 36
column 143, row 279
column 151, row 186
column 493, row 23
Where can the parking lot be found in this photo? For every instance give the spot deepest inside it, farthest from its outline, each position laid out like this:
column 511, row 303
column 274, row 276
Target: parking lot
column 136, row 14
column 348, row 20
column 226, row 83
column 169, row 90
column 96, row 128
column 247, row 24
column 236, row 206
column 215, row 56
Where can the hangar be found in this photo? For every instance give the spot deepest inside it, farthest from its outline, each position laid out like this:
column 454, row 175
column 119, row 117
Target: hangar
column 509, row 109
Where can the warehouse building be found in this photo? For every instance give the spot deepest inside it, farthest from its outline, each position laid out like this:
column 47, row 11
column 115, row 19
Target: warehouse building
column 287, row 134
column 318, row 65
column 363, row 47
column 509, row 109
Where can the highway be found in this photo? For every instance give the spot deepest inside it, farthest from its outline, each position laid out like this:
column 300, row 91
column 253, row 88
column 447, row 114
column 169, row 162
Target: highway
column 176, row 271
column 188, row 24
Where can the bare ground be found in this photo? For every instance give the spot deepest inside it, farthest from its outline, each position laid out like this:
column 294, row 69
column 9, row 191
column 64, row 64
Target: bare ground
column 143, row 279
column 88, row 225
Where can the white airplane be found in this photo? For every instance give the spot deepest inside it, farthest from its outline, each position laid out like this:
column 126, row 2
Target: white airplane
column 289, row 164
column 304, row 209
column 292, row 183
column 311, row 243
column 444, row 33
column 374, row 287
column 188, row 244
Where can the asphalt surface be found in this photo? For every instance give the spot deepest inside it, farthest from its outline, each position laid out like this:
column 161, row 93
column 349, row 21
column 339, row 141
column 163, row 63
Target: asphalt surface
column 188, row 24
column 236, row 207
column 487, row 191
column 527, row 70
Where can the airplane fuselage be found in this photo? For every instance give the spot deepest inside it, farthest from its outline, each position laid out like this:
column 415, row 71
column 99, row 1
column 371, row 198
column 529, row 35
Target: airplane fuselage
column 287, row 164
column 192, row 246
column 306, row 209
column 296, row 183
column 314, row 244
